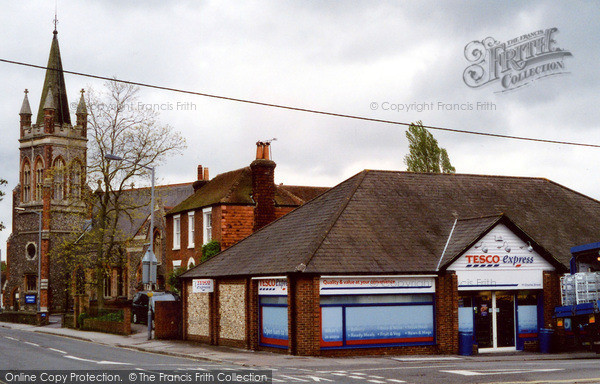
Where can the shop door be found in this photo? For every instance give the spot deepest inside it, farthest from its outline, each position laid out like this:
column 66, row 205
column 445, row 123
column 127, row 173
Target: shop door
column 494, row 319
column 505, row 319
column 482, row 310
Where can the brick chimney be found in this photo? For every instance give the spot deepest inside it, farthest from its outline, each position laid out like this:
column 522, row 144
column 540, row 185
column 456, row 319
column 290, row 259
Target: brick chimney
column 202, row 178
column 263, row 186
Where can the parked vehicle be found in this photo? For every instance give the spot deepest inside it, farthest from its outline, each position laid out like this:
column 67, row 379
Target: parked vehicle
column 139, row 307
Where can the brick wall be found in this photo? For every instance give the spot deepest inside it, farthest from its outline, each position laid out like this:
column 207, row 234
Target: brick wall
column 263, row 191
column 551, row 296
column 236, row 222
column 167, row 320
column 198, row 314
column 446, row 293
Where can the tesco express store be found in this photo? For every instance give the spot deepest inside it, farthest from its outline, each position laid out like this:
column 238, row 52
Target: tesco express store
column 500, row 286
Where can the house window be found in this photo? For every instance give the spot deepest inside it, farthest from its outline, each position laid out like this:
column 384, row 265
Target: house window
column 207, row 224
column 176, row 231
column 370, row 320
column 31, row 283
column 191, row 263
column 191, row 226
column 107, row 286
column 26, row 182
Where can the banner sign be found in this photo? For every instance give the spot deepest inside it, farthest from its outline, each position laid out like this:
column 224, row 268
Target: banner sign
column 483, row 279
column 30, row 299
column 272, row 287
column 203, row 285
column 374, row 285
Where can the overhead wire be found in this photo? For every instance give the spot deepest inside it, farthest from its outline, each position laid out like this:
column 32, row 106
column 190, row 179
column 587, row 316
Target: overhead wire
column 307, row 110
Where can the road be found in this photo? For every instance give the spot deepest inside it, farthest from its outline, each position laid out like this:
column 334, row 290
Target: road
column 25, row 350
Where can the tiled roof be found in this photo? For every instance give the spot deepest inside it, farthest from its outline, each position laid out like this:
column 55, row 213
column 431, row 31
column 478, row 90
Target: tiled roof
column 235, row 187
column 399, row 222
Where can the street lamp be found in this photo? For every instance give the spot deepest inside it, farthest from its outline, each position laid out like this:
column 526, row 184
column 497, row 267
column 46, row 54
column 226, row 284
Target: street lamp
column 39, row 253
column 149, row 262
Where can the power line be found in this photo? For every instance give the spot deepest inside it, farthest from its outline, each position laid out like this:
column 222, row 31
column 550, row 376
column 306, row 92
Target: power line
column 298, row 109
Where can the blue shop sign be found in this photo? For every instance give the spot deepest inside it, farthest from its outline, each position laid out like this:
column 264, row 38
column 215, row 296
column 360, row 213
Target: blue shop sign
column 30, row 299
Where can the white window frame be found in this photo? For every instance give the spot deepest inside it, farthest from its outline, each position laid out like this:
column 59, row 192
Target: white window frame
column 191, row 228
column 176, row 231
column 206, row 225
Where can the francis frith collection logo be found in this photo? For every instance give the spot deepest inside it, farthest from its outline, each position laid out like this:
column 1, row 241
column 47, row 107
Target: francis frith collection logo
column 516, row 62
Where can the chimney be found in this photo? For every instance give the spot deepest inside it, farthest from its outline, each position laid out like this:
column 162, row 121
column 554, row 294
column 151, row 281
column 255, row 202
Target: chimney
column 202, row 178
column 263, row 186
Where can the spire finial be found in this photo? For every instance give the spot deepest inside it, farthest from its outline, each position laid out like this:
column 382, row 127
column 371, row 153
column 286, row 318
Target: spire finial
column 82, row 91
column 26, row 91
column 55, row 16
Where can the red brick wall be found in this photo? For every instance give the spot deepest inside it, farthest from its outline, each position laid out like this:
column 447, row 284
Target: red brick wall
column 446, row 293
column 551, row 296
column 236, row 222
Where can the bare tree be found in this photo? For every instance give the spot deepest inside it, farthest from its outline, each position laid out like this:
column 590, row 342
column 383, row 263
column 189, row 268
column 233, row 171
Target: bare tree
column 116, row 126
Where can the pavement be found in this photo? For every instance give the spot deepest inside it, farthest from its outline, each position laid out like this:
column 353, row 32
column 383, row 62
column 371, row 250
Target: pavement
column 193, row 350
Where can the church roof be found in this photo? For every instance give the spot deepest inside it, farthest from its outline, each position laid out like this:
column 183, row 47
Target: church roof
column 55, row 80
column 383, row 222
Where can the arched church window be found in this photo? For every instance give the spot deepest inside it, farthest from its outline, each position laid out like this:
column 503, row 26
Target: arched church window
column 26, row 181
column 75, row 180
column 39, row 179
column 59, row 179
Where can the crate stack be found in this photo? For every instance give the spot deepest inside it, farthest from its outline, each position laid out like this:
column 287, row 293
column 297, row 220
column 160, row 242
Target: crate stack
column 582, row 287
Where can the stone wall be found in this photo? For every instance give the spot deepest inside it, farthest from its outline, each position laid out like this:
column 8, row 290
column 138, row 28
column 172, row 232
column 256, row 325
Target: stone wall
column 232, row 311
column 198, row 314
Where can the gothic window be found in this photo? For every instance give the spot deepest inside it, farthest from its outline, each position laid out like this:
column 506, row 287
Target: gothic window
column 26, row 181
column 59, row 179
column 30, row 283
column 39, row 179
column 75, row 179
column 107, row 285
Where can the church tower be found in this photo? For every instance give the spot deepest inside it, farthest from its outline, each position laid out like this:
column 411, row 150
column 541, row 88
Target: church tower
column 47, row 203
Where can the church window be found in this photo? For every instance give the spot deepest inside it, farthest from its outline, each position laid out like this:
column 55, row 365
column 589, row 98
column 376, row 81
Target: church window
column 26, row 182
column 59, row 179
column 39, row 179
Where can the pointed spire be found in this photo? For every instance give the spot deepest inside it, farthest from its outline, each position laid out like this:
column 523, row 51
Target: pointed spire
column 49, row 104
column 55, row 81
column 81, row 108
column 25, row 108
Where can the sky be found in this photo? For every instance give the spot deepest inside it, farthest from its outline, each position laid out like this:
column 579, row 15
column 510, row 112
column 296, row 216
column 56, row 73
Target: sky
column 399, row 61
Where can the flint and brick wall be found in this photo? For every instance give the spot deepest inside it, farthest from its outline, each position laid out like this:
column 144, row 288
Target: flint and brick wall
column 232, row 313
column 198, row 314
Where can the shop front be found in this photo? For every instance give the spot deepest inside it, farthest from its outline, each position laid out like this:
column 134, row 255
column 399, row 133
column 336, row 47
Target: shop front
column 500, row 286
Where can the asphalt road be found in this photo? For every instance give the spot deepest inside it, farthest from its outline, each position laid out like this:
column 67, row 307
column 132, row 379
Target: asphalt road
column 24, row 350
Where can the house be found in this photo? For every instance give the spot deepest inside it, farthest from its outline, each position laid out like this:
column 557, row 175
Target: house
column 396, row 262
column 229, row 208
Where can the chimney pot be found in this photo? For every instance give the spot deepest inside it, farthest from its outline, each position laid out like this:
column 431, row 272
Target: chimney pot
column 205, row 176
column 200, row 173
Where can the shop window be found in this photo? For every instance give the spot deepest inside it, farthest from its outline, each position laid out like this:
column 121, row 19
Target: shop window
column 465, row 314
column 176, row 231
column 354, row 321
column 274, row 321
column 527, row 314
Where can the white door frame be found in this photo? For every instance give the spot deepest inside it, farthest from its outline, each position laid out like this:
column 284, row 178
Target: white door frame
column 495, row 347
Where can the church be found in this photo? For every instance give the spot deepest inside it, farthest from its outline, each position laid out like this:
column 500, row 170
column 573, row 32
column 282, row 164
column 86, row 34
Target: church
column 47, row 202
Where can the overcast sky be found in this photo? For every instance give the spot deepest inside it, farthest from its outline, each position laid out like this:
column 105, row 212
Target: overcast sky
column 341, row 57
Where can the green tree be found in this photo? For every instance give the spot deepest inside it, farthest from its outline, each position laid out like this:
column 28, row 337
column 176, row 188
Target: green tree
column 425, row 155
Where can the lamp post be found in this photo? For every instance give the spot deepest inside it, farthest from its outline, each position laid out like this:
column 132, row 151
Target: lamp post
column 149, row 262
column 39, row 253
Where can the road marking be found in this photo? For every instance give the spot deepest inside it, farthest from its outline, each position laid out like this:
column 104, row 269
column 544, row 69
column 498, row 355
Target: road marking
column 500, row 371
column 104, row 362
column 425, row 358
column 11, row 338
column 79, row 358
column 396, row 381
column 594, row 380
column 357, row 377
column 30, row 343
column 293, row 378
column 318, row 379
column 376, row 381
column 337, row 373
column 376, row 377
column 58, row 350
column 359, row 373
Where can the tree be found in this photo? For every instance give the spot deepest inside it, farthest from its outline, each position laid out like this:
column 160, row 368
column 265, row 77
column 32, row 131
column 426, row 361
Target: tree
column 116, row 126
column 425, row 155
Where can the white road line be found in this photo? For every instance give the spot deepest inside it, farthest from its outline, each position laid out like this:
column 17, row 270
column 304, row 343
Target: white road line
column 58, row 350
column 293, row 378
column 337, row 373
column 357, row 377
column 376, row 381
column 425, row 358
column 79, row 358
column 396, row 381
column 104, row 362
column 377, row 377
column 30, row 343
column 500, row 371
column 11, row 338
column 359, row 373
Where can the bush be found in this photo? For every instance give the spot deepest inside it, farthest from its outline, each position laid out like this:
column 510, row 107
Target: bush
column 82, row 316
column 210, row 249
column 174, row 280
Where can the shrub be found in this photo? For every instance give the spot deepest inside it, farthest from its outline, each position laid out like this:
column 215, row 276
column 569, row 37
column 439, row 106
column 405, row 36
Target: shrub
column 210, row 249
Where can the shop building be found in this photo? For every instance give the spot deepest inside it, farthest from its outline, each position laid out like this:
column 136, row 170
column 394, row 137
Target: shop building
column 396, row 263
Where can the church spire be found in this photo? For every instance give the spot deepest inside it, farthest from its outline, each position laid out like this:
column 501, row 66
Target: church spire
column 55, row 80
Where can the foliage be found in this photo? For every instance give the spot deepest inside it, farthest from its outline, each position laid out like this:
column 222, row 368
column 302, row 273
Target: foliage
column 117, row 126
column 82, row 316
column 425, row 155
column 210, row 249
column 110, row 316
column 174, row 279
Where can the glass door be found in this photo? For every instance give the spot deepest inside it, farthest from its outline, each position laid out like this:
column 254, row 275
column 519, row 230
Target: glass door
column 505, row 319
column 483, row 315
